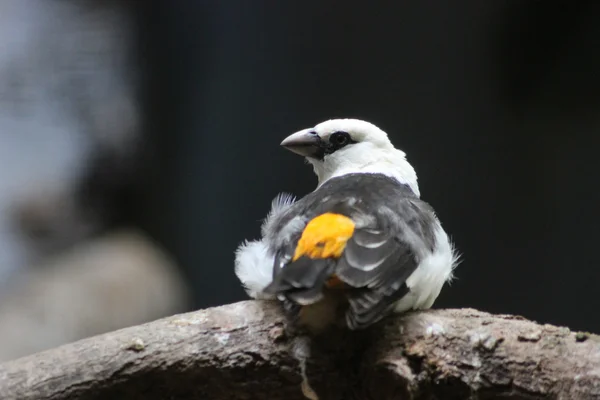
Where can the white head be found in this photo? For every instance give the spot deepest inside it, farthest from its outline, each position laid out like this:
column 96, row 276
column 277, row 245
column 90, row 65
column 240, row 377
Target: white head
column 342, row 146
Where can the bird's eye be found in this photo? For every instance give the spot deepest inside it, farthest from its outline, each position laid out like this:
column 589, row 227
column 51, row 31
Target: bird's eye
column 339, row 139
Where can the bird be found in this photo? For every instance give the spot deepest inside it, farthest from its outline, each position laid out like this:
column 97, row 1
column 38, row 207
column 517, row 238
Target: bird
column 361, row 246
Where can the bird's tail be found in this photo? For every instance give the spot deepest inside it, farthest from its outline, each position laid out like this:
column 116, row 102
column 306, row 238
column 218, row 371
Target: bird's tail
column 302, row 281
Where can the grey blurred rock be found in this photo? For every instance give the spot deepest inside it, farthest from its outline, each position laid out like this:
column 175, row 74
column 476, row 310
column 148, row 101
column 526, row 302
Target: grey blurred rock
column 103, row 284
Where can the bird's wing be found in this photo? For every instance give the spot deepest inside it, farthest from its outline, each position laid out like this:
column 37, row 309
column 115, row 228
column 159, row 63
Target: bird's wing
column 371, row 262
column 375, row 265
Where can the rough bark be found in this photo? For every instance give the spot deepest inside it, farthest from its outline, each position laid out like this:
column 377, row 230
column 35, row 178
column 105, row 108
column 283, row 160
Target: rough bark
column 244, row 351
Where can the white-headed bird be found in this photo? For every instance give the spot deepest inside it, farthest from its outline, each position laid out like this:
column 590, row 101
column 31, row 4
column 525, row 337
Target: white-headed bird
column 360, row 246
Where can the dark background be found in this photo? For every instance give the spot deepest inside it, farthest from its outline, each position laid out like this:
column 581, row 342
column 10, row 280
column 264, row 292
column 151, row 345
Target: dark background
column 495, row 102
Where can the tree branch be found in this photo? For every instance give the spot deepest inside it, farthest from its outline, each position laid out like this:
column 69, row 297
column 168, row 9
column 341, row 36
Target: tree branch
column 244, row 351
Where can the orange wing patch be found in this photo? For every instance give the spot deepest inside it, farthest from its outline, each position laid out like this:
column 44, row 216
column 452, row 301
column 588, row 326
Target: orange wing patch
column 325, row 236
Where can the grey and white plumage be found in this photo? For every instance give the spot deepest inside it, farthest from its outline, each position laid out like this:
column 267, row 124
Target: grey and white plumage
column 398, row 257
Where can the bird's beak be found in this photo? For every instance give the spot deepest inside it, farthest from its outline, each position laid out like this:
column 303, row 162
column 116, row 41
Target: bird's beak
column 305, row 143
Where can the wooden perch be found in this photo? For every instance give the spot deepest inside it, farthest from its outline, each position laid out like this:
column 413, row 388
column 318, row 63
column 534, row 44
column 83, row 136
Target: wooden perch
column 244, row 351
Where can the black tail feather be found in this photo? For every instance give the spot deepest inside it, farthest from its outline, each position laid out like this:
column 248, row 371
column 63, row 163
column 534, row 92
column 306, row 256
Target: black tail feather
column 302, row 281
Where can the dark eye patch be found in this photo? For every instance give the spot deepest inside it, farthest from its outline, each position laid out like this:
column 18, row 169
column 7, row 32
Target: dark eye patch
column 337, row 140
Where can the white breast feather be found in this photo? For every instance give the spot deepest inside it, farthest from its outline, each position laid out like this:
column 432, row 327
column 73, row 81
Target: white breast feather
column 253, row 263
column 433, row 271
column 254, row 268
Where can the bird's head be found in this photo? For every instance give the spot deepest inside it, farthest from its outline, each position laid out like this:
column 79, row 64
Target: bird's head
column 342, row 146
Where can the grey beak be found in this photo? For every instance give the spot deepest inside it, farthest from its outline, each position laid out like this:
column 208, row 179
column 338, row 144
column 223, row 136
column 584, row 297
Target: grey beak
column 305, row 143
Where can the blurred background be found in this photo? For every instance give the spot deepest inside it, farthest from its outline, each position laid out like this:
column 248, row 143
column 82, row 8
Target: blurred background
column 139, row 145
